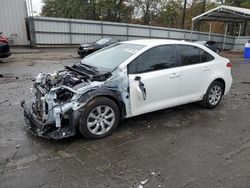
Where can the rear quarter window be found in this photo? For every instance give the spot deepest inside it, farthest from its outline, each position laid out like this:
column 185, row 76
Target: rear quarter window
column 190, row 55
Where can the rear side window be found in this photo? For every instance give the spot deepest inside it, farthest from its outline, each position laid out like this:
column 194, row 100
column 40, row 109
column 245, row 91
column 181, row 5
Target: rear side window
column 193, row 55
column 157, row 58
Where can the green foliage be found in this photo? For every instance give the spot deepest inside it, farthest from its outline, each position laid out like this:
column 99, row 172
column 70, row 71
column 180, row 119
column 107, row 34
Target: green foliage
column 245, row 4
column 168, row 13
column 109, row 10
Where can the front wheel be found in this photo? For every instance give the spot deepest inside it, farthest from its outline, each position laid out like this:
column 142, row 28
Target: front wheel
column 213, row 95
column 100, row 118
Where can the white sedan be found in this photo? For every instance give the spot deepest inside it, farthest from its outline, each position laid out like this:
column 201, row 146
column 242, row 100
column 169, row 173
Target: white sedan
column 124, row 80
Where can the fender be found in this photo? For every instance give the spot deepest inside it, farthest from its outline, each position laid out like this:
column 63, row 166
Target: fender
column 219, row 76
column 104, row 91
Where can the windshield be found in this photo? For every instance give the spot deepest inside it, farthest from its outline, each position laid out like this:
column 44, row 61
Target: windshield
column 102, row 41
column 111, row 57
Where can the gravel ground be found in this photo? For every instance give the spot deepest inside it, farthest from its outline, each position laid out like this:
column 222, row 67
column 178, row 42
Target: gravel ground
column 186, row 146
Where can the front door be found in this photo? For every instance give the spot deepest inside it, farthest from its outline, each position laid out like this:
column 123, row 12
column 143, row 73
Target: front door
column 154, row 80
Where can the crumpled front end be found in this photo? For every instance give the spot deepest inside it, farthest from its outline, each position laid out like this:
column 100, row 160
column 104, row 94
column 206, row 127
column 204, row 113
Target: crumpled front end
column 67, row 128
column 55, row 110
column 59, row 99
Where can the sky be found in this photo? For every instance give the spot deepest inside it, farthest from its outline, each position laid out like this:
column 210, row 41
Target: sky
column 37, row 6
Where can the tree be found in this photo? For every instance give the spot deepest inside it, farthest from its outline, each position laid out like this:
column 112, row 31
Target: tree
column 204, row 6
column 170, row 13
column 146, row 9
column 49, row 8
column 184, row 14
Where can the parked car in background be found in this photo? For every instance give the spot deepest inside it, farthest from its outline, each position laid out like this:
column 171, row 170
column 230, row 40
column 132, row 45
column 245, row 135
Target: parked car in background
column 212, row 45
column 86, row 49
column 125, row 80
column 4, row 46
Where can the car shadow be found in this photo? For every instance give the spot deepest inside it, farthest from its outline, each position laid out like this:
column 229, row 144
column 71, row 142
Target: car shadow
column 174, row 114
column 171, row 118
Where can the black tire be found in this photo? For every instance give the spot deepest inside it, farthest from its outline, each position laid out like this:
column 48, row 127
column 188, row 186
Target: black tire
column 90, row 107
column 207, row 100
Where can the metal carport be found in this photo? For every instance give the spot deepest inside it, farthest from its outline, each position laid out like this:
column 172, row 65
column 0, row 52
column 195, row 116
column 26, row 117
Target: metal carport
column 225, row 14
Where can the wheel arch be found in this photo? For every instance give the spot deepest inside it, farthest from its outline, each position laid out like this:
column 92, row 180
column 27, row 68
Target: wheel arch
column 221, row 80
column 110, row 94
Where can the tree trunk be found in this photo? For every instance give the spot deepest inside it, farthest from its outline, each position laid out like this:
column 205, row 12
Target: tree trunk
column 184, row 14
column 204, row 6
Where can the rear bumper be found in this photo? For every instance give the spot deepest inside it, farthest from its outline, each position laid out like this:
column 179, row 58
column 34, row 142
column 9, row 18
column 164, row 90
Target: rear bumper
column 81, row 53
column 49, row 131
column 4, row 50
column 84, row 52
column 229, row 82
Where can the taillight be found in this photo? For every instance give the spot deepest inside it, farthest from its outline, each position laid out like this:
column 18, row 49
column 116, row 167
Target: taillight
column 229, row 65
column 3, row 39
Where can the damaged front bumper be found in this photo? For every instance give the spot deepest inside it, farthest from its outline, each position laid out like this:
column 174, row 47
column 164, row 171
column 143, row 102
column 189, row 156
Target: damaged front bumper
column 49, row 131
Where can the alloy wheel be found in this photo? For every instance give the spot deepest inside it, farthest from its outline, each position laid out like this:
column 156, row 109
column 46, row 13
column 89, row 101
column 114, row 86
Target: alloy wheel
column 100, row 120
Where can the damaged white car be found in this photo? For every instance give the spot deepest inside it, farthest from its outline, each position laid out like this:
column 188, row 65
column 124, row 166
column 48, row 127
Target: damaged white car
column 124, row 80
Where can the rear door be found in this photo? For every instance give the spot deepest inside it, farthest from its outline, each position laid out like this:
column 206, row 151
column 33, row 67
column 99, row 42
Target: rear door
column 154, row 80
column 196, row 66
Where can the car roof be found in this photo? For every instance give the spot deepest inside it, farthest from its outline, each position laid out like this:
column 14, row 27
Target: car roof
column 155, row 42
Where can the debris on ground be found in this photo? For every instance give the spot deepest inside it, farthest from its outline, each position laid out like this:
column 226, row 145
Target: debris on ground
column 4, row 101
column 153, row 173
column 144, row 182
column 121, row 173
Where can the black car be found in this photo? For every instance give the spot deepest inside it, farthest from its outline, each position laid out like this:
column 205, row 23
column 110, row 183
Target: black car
column 86, row 49
column 4, row 47
column 212, row 45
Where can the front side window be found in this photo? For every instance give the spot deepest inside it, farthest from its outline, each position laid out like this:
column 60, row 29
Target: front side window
column 190, row 55
column 157, row 58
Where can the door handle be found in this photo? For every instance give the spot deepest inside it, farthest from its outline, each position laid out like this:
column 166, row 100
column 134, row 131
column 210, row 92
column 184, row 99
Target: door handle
column 206, row 68
column 175, row 75
column 138, row 78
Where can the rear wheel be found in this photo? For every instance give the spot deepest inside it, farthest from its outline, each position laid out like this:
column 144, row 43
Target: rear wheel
column 100, row 118
column 213, row 95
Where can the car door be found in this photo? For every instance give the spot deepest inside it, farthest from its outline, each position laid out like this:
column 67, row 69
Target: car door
column 154, row 80
column 196, row 67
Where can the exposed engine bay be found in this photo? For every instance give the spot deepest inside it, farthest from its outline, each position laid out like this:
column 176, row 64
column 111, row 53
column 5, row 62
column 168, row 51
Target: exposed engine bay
column 59, row 98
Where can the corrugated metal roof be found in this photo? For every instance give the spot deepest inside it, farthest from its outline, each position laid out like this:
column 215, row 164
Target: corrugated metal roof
column 225, row 13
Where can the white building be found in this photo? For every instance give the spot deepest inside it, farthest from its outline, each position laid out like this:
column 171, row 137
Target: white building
column 12, row 21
